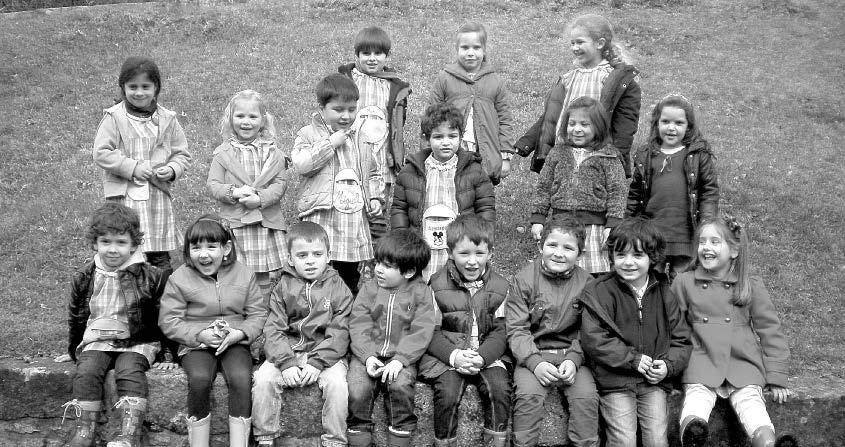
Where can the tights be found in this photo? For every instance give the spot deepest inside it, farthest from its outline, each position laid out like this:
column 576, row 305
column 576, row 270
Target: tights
column 201, row 367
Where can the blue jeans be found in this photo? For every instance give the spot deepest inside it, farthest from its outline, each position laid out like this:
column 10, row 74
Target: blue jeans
column 129, row 374
column 398, row 398
column 493, row 385
column 621, row 411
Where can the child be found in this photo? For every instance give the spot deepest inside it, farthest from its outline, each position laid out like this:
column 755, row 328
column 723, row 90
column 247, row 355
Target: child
column 474, row 88
column 675, row 181
column 635, row 336
column 142, row 149
column 470, row 341
column 247, row 178
column 440, row 183
column 380, row 87
column 543, row 323
column 601, row 74
column 306, row 337
column 390, row 328
column 213, row 308
column 113, row 310
column 583, row 178
column 729, row 311
column 340, row 186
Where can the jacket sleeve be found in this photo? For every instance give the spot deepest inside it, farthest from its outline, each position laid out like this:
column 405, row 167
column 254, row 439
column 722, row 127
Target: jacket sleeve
column 680, row 346
column 75, row 321
column 399, row 210
column 361, row 323
column 543, row 191
column 496, row 342
column 528, row 142
column 438, row 90
column 106, row 152
column 617, row 193
column 440, row 347
column 636, row 191
column 159, row 283
column 179, row 159
column 518, row 316
column 485, row 196
column 277, row 345
column 708, row 186
column 503, row 110
column 764, row 320
column 171, row 317
column 376, row 180
column 336, row 344
column 217, row 187
column 255, row 312
column 397, row 127
column 414, row 343
column 271, row 194
column 598, row 342
column 624, row 122
column 309, row 156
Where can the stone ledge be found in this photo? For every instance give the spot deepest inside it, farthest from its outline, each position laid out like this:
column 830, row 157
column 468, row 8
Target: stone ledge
column 31, row 395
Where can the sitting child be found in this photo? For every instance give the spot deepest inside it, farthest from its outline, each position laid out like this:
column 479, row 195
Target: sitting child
column 306, row 337
column 390, row 328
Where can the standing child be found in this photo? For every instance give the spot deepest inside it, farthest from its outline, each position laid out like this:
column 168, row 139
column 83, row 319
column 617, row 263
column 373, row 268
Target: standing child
column 214, row 309
column 583, row 178
column 543, row 323
column 439, row 183
column 113, row 311
column 600, row 74
column 739, row 347
column 382, row 98
column 474, row 88
column 675, row 181
column 390, row 328
column 470, row 341
column 635, row 336
column 247, row 178
column 142, row 149
column 307, row 338
column 341, row 187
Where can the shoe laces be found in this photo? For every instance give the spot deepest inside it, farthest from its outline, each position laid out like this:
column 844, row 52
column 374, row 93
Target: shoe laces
column 76, row 407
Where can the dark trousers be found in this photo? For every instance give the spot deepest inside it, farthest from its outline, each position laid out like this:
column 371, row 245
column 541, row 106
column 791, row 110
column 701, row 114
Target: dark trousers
column 201, row 368
column 398, row 398
column 129, row 374
column 494, row 390
column 348, row 272
column 160, row 259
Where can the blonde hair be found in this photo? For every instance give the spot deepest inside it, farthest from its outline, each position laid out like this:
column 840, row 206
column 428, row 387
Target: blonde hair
column 268, row 130
column 737, row 239
column 597, row 27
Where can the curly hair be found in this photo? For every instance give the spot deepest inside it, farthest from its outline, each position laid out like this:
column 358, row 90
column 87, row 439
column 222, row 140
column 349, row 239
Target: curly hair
column 640, row 235
column 438, row 114
column 113, row 217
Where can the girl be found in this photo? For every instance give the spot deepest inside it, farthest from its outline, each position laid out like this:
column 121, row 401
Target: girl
column 214, row 309
column 247, row 177
column 474, row 88
column 142, row 149
column 583, row 178
column 600, row 74
column 675, row 180
column 728, row 312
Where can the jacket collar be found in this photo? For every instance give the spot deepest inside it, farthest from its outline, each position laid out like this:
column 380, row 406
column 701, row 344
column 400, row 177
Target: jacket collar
column 698, row 145
column 703, row 275
column 417, row 159
column 388, row 74
column 457, row 71
column 455, row 276
column 288, row 270
column 229, row 154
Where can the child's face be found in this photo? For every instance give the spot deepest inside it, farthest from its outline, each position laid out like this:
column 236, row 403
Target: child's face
column 339, row 115
column 559, row 252
column 114, row 249
column 470, row 51
column 672, row 127
column 140, row 90
column 247, row 120
column 470, row 258
column 388, row 275
column 207, row 256
column 586, row 50
column 308, row 258
column 371, row 62
column 632, row 266
column 714, row 253
column 579, row 128
column 445, row 141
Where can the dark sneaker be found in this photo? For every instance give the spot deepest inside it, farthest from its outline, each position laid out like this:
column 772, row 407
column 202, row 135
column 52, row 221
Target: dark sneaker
column 696, row 433
column 786, row 441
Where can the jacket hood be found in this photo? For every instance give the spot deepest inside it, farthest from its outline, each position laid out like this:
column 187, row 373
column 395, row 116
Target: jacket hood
column 457, row 71
column 417, row 159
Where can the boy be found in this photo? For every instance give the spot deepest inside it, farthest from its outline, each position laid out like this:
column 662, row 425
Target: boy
column 379, row 86
column 340, row 186
column 113, row 323
column 441, row 182
column 391, row 326
column 543, row 325
column 307, row 337
column 470, row 341
column 635, row 336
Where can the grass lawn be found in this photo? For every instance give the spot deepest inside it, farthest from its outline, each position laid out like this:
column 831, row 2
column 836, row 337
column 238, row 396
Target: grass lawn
column 764, row 76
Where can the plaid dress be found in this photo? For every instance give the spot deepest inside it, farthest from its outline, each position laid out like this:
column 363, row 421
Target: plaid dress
column 439, row 190
column 583, row 82
column 595, row 259
column 260, row 248
column 374, row 91
column 156, row 211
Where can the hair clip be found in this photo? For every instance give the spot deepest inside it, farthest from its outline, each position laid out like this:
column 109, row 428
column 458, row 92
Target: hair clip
column 732, row 224
column 676, row 95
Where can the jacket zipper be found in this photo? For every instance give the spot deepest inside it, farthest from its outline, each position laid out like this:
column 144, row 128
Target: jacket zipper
column 310, row 307
column 390, row 303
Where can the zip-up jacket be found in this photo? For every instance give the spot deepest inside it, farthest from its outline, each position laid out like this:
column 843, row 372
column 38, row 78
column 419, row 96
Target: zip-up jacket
column 192, row 301
column 544, row 313
column 308, row 316
column 456, row 307
column 392, row 323
column 616, row 332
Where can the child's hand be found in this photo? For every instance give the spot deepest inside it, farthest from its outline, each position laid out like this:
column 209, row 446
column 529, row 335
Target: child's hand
column 506, row 168
column 251, row 201
column 375, row 208
column 644, row 365
column 468, row 358
column 142, row 171
column 232, row 338
column 166, row 366
column 309, row 375
column 165, row 173
column 546, row 373
column 338, row 139
column 374, row 366
column 209, row 338
column 657, row 372
column 291, row 377
column 242, row 191
column 537, row 231
column 779, row 393
column 391, row 371
column 63, row 358
column 567, row 371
